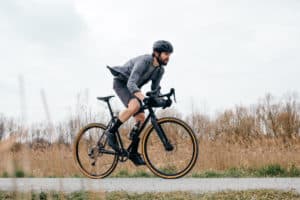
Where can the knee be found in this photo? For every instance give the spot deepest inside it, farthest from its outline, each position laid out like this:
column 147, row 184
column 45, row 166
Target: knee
column 133, row 105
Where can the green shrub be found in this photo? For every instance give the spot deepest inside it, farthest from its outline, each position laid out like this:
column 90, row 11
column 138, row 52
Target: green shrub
column 19, row 173
column 141, row 173
column 271, row 170
column 233, row 172
column 122, row 173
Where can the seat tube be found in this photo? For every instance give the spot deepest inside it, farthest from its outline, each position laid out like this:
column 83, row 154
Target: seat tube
column 110, row 110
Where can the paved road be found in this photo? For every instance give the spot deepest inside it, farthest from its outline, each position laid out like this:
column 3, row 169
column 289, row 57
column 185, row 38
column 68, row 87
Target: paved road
column 148, row 184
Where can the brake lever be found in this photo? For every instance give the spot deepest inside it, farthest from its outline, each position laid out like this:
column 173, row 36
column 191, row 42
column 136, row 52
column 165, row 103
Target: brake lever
column 174, row 98
column 173, row 93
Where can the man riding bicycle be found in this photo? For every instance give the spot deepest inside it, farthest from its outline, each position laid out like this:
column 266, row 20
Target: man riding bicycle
column 127, row 83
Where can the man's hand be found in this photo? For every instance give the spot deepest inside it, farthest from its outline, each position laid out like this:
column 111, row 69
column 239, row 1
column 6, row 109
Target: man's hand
column 139, row 95
column 161, row 102
column 168, row 102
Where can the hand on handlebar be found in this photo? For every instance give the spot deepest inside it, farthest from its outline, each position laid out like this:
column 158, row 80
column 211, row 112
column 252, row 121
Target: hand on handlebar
column 168, row 103
column 157, row 100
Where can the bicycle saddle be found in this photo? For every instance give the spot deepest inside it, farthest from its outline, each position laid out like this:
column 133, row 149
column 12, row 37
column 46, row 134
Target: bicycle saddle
column 105, row 98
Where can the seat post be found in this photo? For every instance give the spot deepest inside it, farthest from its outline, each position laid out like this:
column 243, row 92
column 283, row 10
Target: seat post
column 109, row 107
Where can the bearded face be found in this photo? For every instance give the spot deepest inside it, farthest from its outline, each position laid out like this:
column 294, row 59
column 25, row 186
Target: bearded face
column 163, row 57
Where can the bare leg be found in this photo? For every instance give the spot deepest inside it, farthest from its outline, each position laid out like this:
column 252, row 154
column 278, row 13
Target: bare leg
column 133, row 107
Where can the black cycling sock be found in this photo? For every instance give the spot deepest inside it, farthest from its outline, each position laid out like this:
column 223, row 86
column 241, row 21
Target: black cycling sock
column 135, row 145
column 115, row 126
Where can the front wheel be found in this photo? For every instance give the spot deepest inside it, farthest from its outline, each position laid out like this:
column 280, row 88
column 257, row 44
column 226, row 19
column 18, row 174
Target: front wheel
column 177, row 162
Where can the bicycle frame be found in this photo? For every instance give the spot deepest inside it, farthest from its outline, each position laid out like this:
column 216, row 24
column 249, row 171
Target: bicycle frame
column 151, row 115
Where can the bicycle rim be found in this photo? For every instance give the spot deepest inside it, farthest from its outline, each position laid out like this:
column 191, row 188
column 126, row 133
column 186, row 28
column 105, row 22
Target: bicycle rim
column 179, row 161
column 85, row 142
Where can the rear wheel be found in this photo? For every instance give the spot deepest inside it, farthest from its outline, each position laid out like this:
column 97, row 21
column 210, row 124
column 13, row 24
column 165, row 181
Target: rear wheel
column 95, row 160
column 177, row 162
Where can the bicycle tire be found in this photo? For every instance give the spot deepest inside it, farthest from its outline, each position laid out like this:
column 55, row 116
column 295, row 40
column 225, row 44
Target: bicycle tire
column 189, row 130
column 76, row 152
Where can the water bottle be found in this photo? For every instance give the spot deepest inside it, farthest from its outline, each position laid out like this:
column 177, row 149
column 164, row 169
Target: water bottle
column 134, row 130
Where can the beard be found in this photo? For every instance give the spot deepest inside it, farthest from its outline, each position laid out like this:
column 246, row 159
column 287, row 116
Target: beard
column 163, row 62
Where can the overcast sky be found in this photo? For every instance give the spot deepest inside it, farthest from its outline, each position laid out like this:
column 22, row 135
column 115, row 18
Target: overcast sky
column 226, row 52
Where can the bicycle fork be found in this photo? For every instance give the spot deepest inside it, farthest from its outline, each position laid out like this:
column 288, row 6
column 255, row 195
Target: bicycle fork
column 161, row 134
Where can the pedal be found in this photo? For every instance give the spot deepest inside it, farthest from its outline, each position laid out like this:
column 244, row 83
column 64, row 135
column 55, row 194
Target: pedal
column 125, row 153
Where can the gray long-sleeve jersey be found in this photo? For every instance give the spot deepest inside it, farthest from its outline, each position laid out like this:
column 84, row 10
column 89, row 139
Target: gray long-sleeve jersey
column 138, row 71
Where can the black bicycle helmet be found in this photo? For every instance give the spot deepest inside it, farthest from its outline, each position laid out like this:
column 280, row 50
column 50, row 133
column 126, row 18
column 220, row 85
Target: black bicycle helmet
column 163, row 46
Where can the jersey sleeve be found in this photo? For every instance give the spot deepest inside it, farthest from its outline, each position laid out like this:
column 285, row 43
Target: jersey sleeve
column 156, row 82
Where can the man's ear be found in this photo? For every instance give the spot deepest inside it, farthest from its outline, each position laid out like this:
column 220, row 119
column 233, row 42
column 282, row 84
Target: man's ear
column 157, row 54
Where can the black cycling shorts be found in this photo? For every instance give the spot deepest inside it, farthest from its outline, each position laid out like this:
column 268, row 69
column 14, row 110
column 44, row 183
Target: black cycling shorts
column 120, row 87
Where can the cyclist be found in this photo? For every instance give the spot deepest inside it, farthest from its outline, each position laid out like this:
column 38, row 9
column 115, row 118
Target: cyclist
column 127, row 83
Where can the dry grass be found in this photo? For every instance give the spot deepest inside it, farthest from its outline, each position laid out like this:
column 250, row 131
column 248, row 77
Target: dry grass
column 242, row 137
column 56, row 160
column 224, row 195
column 38, row 195
column 254, row 153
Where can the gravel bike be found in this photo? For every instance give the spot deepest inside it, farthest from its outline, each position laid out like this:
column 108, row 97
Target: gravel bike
column 169, row 145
